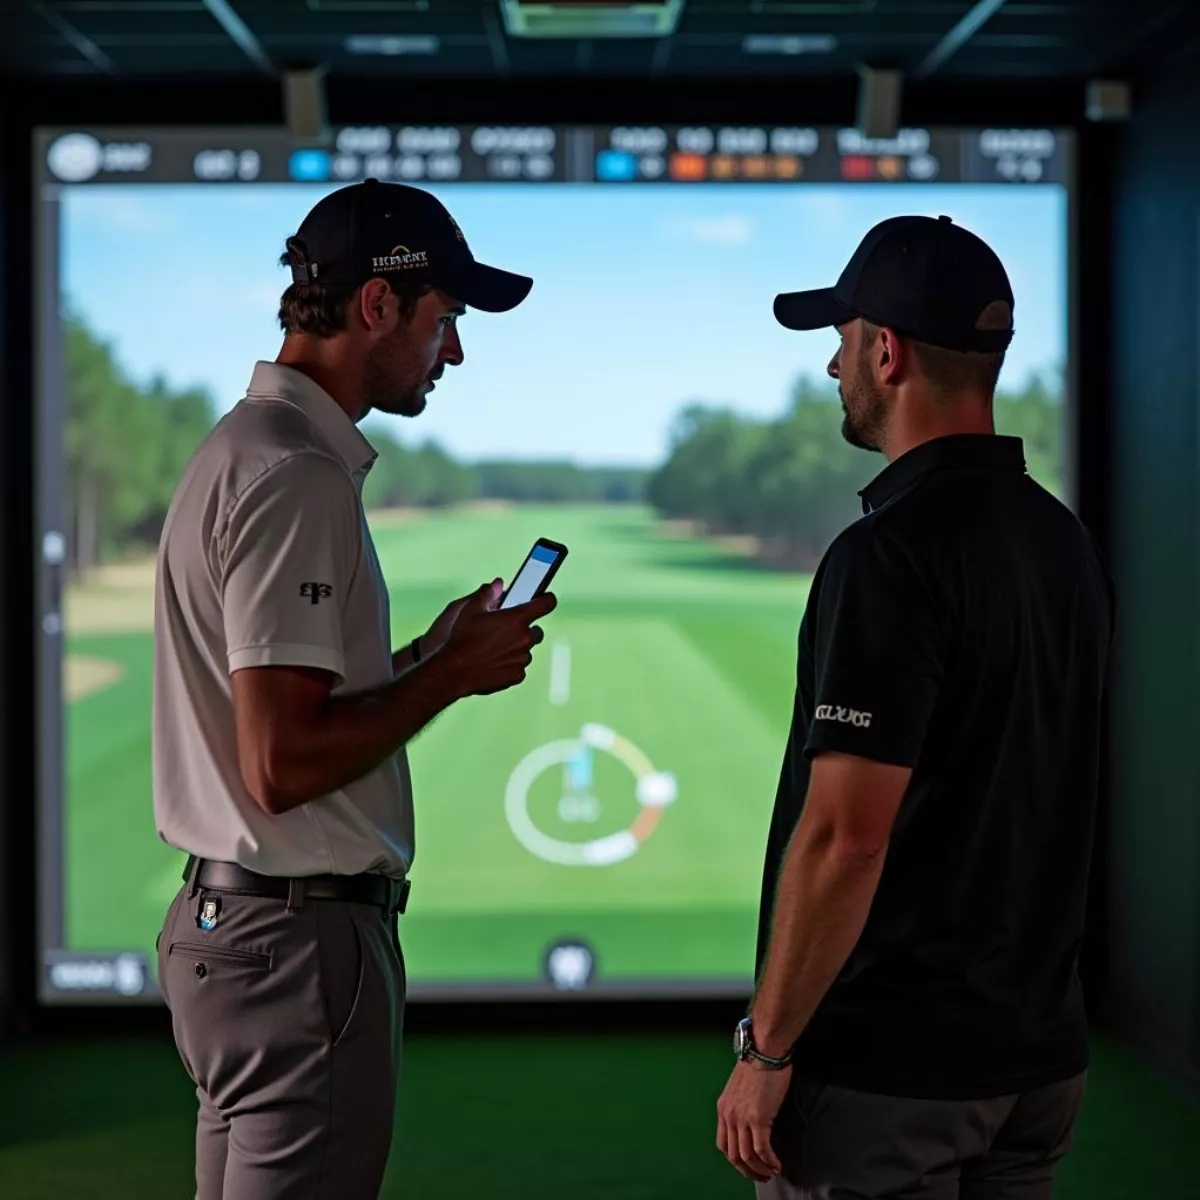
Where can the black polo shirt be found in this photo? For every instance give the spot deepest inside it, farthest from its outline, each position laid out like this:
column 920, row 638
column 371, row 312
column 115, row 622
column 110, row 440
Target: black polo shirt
column 961, row 628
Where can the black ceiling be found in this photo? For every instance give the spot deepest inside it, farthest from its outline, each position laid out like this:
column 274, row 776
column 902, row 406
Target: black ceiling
column 131, row 40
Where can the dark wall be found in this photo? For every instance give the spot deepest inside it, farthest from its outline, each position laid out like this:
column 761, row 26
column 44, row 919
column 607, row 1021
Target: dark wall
column 17, row 730
column 1155, row 821
column 6, row 992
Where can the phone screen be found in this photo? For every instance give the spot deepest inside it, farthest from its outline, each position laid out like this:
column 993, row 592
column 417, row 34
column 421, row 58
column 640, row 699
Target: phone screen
column 536, row 567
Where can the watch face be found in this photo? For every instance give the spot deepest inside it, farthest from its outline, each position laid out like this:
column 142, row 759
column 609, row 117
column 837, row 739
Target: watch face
column 741, row 1037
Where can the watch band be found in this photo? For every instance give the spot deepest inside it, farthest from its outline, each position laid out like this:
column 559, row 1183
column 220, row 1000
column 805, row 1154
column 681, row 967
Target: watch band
column 416, row 649
column 747, row 1050
column 776, row 1064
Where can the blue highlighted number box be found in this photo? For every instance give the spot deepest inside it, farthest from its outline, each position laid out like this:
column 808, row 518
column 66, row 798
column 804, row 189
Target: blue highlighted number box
column 309, row 166
column 616, row 166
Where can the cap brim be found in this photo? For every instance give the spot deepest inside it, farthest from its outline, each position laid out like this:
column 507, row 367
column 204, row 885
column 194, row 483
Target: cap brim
column 818, row 309
column 487, row 288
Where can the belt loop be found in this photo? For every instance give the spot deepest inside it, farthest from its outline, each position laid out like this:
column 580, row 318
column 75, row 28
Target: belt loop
column 295, row 900
column 192, row 875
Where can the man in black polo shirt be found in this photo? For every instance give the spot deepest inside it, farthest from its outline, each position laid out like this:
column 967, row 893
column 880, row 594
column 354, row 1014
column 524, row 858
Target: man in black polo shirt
column 918, row 1027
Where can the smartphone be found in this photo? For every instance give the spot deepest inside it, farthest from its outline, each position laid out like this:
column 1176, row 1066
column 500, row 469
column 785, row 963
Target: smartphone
column 535, row 574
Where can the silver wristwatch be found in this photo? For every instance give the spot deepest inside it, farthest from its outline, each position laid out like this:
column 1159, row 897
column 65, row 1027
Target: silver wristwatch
column 744, row 1048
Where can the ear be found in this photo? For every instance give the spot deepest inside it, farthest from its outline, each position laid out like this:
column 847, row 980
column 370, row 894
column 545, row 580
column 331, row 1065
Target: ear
column 376, row 305
column 889, row 355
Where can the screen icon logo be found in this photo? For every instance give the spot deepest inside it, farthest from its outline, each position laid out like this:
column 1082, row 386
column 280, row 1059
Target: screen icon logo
column 75, row 157
column 570, row 965
column 129, row 976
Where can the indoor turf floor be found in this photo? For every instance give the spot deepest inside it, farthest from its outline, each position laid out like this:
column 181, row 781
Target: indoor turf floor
column 505, row 1116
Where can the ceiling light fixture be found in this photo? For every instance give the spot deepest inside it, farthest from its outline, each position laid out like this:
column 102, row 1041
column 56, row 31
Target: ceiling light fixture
column 392, row 44
column 789, row 43
column 590, row 18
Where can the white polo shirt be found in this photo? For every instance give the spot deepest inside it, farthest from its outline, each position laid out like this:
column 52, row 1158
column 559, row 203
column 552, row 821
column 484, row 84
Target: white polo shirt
column 266, row 559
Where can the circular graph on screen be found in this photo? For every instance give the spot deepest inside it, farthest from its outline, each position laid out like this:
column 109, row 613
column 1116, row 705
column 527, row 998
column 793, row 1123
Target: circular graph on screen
column 576, row 760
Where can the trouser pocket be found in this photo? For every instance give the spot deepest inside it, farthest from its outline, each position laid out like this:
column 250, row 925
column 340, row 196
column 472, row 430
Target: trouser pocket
column 203, row 955
column 343, row 967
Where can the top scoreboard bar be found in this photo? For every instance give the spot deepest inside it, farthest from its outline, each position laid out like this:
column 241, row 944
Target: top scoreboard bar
column 616, row 156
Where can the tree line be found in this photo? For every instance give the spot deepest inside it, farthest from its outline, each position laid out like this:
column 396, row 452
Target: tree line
column 126, row 447
column 426, row 476
column 792, row 483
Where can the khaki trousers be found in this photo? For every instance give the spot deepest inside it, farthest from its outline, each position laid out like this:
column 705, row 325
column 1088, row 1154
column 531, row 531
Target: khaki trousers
column 289, row 1024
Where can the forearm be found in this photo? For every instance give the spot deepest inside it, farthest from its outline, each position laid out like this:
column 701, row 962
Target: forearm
column 404, row 659
column 824, row 894
column 352, row 735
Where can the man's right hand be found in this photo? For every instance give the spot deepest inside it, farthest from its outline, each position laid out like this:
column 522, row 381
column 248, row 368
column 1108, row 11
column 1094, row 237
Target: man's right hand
column 490, row 649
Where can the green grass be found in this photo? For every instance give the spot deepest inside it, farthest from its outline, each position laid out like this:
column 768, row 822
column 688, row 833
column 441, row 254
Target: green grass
column 515, row 1119
column 681, row 647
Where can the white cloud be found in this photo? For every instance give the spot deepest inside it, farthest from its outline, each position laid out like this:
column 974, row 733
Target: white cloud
column 121, row 212
column 824, row 212
column 730, row 230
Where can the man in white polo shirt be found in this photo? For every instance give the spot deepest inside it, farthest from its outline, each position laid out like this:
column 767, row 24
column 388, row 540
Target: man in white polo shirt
column 281, row 713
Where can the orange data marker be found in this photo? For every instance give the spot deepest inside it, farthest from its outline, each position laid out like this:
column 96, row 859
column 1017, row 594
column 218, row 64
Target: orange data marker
column 722, row 166
column 687, row 166
column 890, row 167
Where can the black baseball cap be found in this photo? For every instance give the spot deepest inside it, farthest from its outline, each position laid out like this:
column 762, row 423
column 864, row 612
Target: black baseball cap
column 394, row 231
column 924, row 277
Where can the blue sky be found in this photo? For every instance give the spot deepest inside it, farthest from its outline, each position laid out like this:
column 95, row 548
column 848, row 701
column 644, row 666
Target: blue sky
column 645, row 298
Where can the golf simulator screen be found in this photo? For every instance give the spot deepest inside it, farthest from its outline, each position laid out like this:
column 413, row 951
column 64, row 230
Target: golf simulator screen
column 599, row 830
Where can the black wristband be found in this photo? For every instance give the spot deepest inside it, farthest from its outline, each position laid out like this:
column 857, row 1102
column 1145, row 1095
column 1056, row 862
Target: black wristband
column 416, row 649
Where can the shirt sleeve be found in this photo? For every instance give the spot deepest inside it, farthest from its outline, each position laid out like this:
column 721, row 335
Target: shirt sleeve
column 879, row 643
column 292, row 546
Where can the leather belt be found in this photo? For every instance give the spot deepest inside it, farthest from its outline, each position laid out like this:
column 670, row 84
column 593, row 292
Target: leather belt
column 391, row 895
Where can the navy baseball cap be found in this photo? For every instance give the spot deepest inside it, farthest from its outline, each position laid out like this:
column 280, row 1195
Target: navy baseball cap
column 393, row 231
column 924, row 277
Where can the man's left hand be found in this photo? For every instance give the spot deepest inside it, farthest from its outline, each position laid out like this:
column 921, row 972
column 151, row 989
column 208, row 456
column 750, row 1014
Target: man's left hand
column 745, row 1113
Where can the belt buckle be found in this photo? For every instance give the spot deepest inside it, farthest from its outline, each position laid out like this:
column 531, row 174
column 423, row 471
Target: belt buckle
column 400, row 896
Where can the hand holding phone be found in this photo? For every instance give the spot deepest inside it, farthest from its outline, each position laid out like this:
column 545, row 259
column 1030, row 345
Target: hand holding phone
column 539, row 568
column 491, row 645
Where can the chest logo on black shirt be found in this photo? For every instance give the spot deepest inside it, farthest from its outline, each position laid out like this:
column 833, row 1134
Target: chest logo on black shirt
column 844, row 716
column 316, row 592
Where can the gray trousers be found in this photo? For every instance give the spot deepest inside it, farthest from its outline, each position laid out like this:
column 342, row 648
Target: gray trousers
column 838, row 1144
column 289, row 1024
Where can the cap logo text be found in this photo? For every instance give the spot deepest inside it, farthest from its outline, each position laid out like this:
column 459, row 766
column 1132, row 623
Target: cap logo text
column 400, row 258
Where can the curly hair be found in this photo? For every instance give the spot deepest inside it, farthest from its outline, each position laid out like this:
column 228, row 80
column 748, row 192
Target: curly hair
column 320, row 310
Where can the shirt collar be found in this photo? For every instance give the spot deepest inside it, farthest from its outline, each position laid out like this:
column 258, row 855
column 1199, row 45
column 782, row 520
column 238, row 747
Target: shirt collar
column 294, row 387
column 963, row 451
